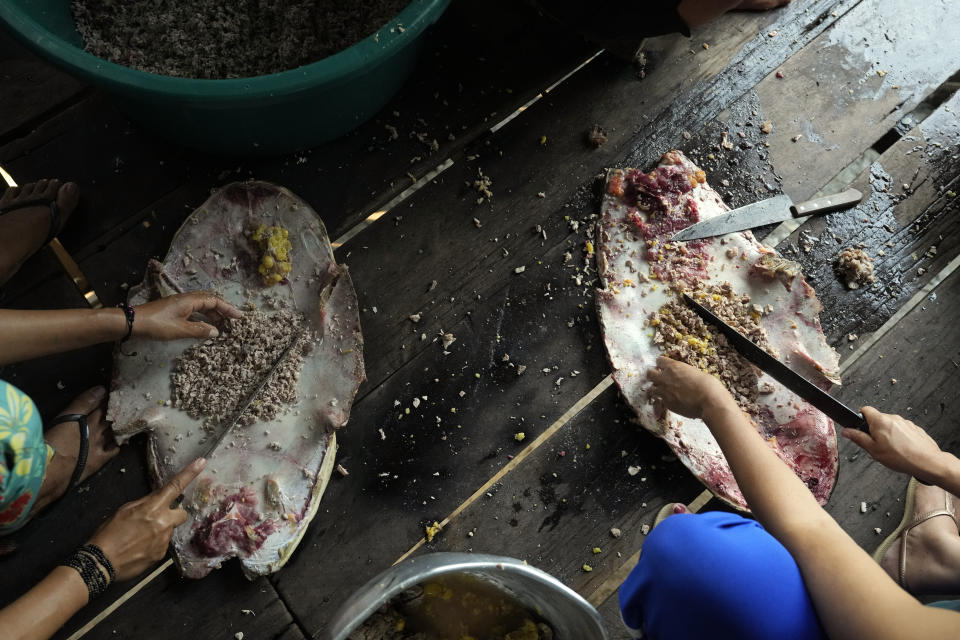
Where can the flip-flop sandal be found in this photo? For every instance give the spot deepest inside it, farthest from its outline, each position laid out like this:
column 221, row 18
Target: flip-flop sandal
column 55, row 217
column 81, row 420
column 665, row 511
column 907, row 523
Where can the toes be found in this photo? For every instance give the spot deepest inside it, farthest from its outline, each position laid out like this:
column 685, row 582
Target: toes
column 67, row 197
column 50, row 189
column 10, row 194
column 35, row 188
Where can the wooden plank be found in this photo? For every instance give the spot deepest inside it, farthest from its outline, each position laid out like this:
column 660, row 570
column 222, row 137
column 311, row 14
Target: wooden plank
column 430, row 235
column 32, row 89
column 610, row 611
column 922, row 353
column 845, row 90
column 433, row 459
column 352, row 501
column 896, row 225
column 557, row 508
column 398, row 315
column 172, row 607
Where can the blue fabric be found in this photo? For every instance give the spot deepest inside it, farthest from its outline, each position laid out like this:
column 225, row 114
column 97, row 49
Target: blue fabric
column 953, row 605
column 716, row 575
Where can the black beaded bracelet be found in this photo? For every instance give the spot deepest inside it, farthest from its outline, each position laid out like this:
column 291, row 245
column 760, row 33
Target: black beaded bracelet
column 129, row 315
column 100, row 557
column 89, row 571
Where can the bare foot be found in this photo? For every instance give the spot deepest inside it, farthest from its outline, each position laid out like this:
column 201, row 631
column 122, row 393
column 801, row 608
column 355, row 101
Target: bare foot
column 933, row 548
column 23, row 231
column 761, row 5
column 65, row 439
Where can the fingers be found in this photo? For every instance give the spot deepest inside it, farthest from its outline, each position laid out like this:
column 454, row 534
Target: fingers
column 200, row 330
column 870, row 414
column 177, row 517
column 175, row 487
column 205, row 302
column 859, row 438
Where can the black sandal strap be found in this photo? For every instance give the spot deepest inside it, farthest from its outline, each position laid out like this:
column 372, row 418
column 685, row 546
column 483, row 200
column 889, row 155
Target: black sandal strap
column 51, row 204
column 54, row 222
column 81, row 420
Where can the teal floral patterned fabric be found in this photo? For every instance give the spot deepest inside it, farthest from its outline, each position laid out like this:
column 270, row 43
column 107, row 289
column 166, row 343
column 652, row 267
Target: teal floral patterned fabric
column 23, row 456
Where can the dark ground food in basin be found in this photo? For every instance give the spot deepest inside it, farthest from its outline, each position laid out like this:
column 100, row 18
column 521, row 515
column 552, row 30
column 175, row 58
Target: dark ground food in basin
column 220, row 39
column 453, row 607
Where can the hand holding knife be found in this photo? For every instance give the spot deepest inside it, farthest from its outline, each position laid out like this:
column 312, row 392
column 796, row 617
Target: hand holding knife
column 833, row 408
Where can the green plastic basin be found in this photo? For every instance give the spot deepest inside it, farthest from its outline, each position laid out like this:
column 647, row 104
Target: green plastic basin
column 261, row 115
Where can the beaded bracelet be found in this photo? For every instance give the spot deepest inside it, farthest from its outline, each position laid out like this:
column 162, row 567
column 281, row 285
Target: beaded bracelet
column 100, row 557
column 129, row 315
column 86, row 565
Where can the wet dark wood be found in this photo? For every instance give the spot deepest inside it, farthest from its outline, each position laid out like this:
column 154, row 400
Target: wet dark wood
column 480, row 66
column 907, row 224
column 32, row 89
column 600, row 471
column 922, row 354
column 851, row 85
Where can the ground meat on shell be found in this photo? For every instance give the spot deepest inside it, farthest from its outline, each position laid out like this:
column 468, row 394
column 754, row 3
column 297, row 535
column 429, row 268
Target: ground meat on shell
column 212, row 379
column 684, row 336
column 855, row 267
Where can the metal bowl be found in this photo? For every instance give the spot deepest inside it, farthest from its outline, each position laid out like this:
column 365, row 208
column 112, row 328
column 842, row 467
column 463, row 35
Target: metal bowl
column 570, row 616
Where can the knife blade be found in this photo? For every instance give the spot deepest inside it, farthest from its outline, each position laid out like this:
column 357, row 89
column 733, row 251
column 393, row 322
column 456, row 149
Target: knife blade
column 764, row 212
column 833, row 408
column 253, row 395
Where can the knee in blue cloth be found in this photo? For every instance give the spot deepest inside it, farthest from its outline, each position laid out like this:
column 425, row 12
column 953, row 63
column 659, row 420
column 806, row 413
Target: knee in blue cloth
column 716, row 575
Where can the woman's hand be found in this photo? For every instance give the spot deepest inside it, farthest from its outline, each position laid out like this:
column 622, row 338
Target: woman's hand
column 169, row 318
column 136, row 536
column 897, row 444
column 684, row 389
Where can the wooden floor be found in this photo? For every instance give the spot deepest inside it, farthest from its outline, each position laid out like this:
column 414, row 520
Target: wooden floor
column 866, row 84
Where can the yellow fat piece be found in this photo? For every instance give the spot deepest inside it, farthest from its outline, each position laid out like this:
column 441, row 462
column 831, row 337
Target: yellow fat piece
column 275, row 250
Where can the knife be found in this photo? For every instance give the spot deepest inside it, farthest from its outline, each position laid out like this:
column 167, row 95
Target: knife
column 833, row 408
column 253, row 395
column 766, row 212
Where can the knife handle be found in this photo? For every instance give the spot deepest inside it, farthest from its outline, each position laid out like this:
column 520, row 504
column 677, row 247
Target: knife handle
column 827, row 204
column 858, row 422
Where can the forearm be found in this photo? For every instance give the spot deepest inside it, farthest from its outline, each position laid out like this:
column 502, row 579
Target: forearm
column 853, row 596
column 45, row 608
column 946, row 475
column 766, row 482
column 31, row 334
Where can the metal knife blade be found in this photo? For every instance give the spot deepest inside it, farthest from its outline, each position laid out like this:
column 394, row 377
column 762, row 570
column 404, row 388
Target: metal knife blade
column 253, row 395
column 833, row 408
column 767, row 211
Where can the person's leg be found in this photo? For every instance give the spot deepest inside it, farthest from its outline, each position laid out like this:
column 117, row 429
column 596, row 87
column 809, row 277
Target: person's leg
column 717, row 575
column 932, row 547
column 24, row 230
column 34, row 473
